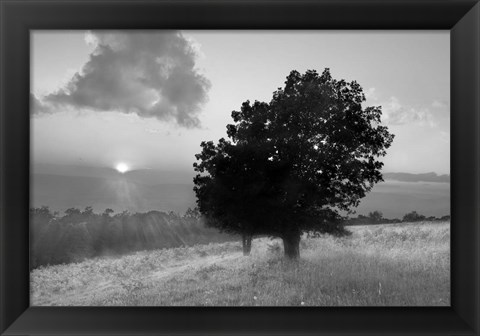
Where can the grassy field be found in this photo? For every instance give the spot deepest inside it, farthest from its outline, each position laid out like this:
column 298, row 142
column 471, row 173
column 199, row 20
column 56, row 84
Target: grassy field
column 405, row 264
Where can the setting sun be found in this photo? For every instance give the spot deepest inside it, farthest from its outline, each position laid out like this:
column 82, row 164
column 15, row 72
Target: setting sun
column 122, row 167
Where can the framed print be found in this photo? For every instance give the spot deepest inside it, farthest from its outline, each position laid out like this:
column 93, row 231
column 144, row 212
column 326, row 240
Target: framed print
column 339, row 197
column 112, row 225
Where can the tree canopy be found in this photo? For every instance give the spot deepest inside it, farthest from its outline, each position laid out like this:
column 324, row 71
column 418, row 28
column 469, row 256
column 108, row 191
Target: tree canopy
column 292, row 165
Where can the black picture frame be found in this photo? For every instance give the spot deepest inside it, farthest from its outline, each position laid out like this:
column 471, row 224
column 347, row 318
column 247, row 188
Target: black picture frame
column 18, row 17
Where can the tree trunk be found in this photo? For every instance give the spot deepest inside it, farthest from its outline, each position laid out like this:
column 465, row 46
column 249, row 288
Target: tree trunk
column 291, row 245
column 247, row 243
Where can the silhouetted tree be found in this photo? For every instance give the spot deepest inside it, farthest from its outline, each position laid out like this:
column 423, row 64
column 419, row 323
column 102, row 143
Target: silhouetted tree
column 292, row 164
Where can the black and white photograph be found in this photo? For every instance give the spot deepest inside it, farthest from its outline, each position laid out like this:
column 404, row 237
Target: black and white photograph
column 233, row 168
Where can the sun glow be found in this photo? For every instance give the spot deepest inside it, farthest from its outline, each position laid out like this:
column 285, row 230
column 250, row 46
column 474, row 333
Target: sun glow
column 122, row 167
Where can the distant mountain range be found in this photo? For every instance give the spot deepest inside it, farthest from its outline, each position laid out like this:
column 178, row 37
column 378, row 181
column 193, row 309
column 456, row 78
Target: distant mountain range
column 426, row 177
column 146, row 190
column 61, row 192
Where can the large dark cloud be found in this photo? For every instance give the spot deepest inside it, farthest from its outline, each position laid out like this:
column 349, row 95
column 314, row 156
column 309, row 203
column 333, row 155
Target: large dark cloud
column 151, row 74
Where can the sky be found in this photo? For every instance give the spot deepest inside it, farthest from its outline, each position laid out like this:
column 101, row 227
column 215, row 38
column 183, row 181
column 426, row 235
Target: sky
column 148, row 98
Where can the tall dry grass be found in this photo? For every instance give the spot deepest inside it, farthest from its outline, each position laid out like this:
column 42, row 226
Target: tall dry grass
column 381, row 265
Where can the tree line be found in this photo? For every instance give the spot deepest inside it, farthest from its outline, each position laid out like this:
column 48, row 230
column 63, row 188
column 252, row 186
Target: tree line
column 376, row 217
column 80, row 234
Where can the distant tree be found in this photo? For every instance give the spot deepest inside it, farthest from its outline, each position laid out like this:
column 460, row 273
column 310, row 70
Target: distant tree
column 40, row 220
column 108, row 212
column 413, row 217
column 88, row 211
column 123, row 214
column 76, row 243
column 376, row 216
column 192, row 213
column 42, row 215
column 72, row 212
column 173, row 214
column 292, row 164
